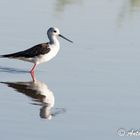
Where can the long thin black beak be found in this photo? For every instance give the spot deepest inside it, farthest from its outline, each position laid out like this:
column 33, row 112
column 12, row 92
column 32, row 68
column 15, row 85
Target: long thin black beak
column 65, row 38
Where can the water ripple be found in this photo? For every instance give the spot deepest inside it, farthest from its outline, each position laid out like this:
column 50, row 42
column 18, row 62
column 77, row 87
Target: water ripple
column 12, row 70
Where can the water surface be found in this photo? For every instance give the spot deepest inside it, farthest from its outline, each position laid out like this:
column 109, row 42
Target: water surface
column 91, row 89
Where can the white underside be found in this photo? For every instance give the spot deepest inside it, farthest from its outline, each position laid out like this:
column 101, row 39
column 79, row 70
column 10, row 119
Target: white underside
column 43, row 58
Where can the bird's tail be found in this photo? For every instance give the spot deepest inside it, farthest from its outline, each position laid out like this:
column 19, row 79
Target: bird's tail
column 7, row 55
column 2, row 56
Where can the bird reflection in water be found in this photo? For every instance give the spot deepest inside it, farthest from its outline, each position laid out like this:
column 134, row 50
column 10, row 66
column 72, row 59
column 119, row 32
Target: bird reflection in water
column 40, row 95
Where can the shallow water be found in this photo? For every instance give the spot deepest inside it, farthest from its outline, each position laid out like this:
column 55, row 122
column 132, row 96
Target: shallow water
column 90, row 90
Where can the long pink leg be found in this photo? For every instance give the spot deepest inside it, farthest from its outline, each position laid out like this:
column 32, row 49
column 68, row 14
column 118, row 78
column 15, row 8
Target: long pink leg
column 32, row 70
column 33, row 76
column 32, row 73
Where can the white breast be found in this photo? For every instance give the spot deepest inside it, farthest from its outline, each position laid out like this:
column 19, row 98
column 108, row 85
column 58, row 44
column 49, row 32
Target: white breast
column 46, row 57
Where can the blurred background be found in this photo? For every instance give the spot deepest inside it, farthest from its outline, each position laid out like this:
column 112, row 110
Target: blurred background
column 90, row 89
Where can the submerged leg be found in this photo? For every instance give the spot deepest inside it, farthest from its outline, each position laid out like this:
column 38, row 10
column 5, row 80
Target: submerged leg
column 33, row 76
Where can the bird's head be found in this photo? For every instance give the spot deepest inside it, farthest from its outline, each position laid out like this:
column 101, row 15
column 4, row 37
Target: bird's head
column 53, row 31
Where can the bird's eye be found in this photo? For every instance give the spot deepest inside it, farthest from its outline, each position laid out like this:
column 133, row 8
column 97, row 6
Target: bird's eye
column 54, row 31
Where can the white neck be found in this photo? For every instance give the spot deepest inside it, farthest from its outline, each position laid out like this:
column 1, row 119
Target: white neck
column 53, row 40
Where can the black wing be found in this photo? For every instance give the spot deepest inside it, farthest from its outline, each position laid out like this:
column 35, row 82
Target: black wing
column 39, row 49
